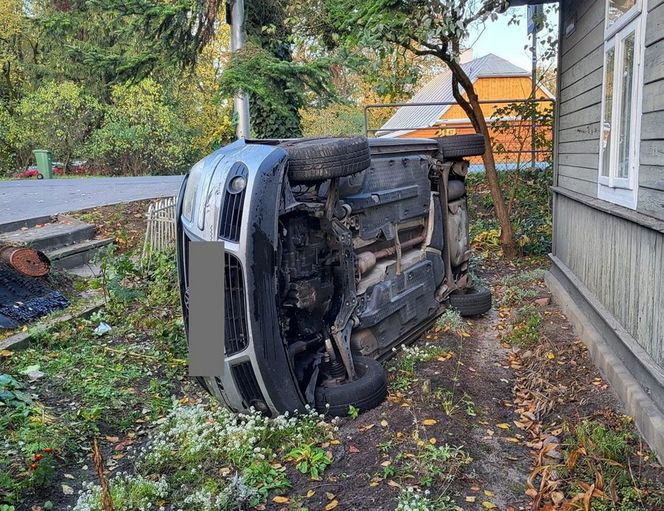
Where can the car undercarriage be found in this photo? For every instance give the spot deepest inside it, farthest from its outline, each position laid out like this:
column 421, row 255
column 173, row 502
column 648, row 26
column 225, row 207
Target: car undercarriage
column 337, row 251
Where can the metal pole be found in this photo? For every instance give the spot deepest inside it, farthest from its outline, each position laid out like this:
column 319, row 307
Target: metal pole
column 533, row 96
column 241, row 101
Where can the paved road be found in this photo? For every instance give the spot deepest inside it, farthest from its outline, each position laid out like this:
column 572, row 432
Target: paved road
column 30, row 198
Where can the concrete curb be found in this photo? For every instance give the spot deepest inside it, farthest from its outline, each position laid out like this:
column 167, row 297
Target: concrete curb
column 16, row 225
column 648, row 418
column 22, row 340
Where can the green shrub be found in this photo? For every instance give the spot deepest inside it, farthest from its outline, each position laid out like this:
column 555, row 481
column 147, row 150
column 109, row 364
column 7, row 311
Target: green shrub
column 142, row 133
column 530, row 213
column 57, row 116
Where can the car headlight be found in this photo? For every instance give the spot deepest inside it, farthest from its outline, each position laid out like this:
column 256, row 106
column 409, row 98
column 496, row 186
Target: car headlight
column 190, row 192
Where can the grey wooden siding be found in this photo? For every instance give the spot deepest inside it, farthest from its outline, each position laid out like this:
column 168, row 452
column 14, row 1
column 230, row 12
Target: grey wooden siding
column 580, row 97
column 621, row 262
column 651, row 173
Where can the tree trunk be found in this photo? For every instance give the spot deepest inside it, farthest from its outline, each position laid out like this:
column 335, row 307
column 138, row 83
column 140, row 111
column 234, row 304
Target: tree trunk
column 474, row 112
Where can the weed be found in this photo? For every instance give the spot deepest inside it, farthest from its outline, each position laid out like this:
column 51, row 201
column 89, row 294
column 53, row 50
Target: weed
column 13, row 394
column 309, row 460
column 414, row 499
column 353, row 412
column 403, row 365
column 264, row 477
column 128, row 493
column 451, row 321
column 446, row 400
column 525, row 331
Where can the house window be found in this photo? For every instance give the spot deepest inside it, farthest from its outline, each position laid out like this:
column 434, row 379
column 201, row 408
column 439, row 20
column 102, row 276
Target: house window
column 621, row 102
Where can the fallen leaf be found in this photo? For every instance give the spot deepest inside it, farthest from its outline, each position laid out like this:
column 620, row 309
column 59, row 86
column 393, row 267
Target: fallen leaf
column 429, row 422
column 432, row 440
column 384, row 423
column 280, row 499
column 310, row 494
column 471, row 498
column 353, row 449
column 489, row 493
column 503, row 425
column 330, row 495
column 394, row 484
column 488, row 505
column 67, row 490
column 557, row 497
column 331, row 505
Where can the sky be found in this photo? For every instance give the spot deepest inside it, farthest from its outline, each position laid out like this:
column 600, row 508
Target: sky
column 506, row 41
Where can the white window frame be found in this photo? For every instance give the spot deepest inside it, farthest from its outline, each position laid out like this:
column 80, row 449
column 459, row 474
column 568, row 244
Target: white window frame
column 633, row 12
column 622, row 191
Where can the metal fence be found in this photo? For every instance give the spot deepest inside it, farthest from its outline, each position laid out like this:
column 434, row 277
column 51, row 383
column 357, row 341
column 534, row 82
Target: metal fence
column 521, row 130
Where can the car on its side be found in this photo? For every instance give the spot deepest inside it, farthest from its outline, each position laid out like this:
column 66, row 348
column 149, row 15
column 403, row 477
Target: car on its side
column 337, row 250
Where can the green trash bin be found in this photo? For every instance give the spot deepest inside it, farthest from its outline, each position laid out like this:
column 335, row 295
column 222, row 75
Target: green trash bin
column 44, row 162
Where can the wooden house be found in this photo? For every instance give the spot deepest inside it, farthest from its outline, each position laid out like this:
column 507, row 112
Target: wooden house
column 496, row 81
column 608, row 192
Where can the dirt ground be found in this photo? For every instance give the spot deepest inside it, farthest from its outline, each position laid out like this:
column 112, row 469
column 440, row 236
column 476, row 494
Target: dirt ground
column 521, row 397
column 124, row 223
column 504, row 396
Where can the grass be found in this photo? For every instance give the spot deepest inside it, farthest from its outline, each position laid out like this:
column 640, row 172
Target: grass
column 91, row 385
column 526, row 329
column 102, row 387
column 601, row 454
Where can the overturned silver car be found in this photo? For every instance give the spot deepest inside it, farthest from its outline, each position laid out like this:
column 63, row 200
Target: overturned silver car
column 337, row 250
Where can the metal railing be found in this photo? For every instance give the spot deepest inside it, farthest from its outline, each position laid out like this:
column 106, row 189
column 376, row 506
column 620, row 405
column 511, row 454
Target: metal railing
column 515, row 141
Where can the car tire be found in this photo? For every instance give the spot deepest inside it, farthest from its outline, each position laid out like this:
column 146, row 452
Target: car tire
column 471, row 302
column 313, row 160
column 366, row 392
column 457, row 147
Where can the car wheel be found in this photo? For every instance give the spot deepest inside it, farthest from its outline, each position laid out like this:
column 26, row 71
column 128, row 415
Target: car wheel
column 457, row 147
column 366, row 392
column 471, row 302
column 312, row 160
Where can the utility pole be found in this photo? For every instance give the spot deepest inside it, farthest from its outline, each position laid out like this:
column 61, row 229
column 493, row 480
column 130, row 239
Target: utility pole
column 533, row 97
column 235, row 17
column 535, row 14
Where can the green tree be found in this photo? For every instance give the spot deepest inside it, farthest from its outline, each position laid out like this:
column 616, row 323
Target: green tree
column 142, row 133
column 56, row 116
column 429, row 28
